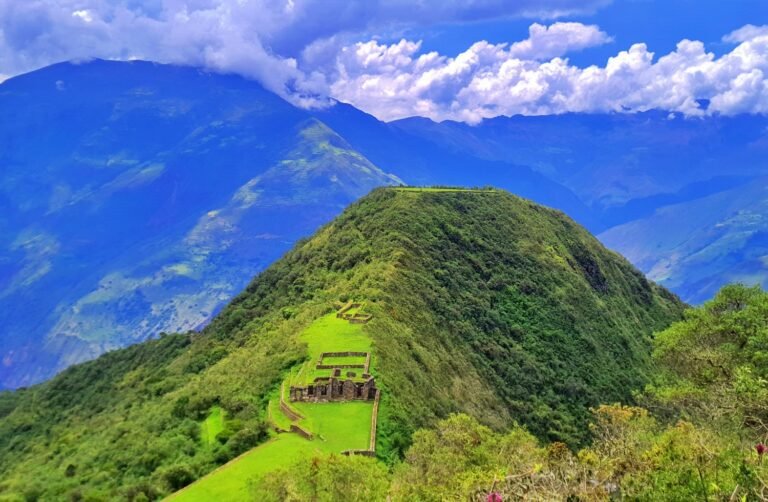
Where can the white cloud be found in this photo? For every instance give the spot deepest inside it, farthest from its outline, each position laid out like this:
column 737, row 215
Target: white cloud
column 304, row 49
column 488, row 80
column 257, row 38
column 84, row 15
column 745, row 33
column 545, row 42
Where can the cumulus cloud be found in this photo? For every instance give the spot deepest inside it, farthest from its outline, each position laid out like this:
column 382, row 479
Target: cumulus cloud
column 545, row 42
column 308, row 50
column 487, row 80
column 212, row 34
column 256, row 38
column 745, row 33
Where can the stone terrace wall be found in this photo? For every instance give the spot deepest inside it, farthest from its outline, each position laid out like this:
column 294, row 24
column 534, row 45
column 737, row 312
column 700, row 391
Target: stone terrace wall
column 289, row 412
column 347, row 306
column 343, row 354
column 374, row 421
column 302, row 432
column 341, row 366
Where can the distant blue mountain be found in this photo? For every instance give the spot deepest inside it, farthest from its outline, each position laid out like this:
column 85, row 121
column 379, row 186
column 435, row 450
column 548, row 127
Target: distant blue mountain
column 138, row 198
column 683, row 199
column 623, row 166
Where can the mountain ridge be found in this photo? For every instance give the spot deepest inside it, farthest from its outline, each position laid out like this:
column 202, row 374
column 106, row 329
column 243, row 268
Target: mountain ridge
column 96, row 250
column 482, row 302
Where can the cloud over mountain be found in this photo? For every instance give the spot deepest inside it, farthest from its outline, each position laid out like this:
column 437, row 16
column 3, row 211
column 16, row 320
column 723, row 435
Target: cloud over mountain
column 308, row 50
column 487, row 80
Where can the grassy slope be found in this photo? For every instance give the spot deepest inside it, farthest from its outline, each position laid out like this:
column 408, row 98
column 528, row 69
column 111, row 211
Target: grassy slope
column 329, row 334
column 230, row 482
column 337, row 426
column 212, row 425
column 483, row 303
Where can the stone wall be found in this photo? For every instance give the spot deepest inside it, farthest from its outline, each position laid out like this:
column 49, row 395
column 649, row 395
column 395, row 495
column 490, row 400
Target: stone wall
column 359, row 318
column 374, row 420
column 343, row 354
column 347, row 306
column 289, row 412
column 302, row 431
column 335, row 389
column 342, row 366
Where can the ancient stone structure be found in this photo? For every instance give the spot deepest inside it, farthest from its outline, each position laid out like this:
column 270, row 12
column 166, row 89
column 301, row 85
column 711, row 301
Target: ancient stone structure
column 301, row 431
column 335, row 388
column 356, row 318
column 340, row 385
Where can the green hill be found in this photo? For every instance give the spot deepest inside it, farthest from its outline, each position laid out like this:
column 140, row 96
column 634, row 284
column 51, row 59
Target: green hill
column 482, row 303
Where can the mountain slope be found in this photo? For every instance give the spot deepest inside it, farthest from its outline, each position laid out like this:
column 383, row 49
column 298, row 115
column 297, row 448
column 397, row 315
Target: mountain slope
column 697, row 247
column 137, row 198
column 167, row 189
column 482, row 302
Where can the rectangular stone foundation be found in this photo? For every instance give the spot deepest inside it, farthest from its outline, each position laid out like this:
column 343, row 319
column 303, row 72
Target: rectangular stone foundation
column 335, row 389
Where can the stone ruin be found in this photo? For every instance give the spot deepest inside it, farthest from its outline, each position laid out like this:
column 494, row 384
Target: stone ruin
column 340, row 385
column 356, row 318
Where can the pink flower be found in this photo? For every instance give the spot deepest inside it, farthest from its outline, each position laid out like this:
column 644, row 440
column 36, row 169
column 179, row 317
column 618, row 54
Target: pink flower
column 494, row 497
column 761, row 448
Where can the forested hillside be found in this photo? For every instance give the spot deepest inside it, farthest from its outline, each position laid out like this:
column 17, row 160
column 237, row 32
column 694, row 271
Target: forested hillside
column 699, row 435
column 483, row 303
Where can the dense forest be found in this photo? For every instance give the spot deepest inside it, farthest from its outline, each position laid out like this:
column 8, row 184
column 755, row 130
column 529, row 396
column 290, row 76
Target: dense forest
column 498, row 324
column 699, row 433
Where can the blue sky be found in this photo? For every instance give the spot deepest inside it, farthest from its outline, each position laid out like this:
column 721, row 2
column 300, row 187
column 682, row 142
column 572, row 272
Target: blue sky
column 660, row 24
column 462, row 60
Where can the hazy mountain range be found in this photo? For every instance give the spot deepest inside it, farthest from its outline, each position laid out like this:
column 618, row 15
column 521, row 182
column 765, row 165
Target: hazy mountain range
column 139, row 198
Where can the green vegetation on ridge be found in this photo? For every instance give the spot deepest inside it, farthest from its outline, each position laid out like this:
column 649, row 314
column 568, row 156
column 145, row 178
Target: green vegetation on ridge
column 212, row 425
column 486, row 305
column 704, row 440
column 336, row 427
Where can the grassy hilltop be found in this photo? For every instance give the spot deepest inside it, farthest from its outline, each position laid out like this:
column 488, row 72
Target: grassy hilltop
column 483, row 303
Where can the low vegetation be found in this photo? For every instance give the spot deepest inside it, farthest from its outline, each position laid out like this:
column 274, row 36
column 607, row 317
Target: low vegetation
column 702, row 440
column 212, row 426
column 484, row 304
column 336, row 426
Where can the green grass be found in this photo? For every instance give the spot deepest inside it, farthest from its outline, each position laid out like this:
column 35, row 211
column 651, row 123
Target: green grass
column 212, row 425
column 344, row 360
column 232, row 481
column 330, row 334
column 439, row 189
column 337, row 426
column 276, row 415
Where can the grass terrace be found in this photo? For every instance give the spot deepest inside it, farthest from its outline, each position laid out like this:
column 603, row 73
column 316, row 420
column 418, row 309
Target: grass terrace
column 444, row 189
column 336, row 426
column 212, row 426
column 331, row 334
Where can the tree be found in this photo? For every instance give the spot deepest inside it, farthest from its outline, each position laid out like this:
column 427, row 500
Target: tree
column 714, row 362
column 325, row 479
